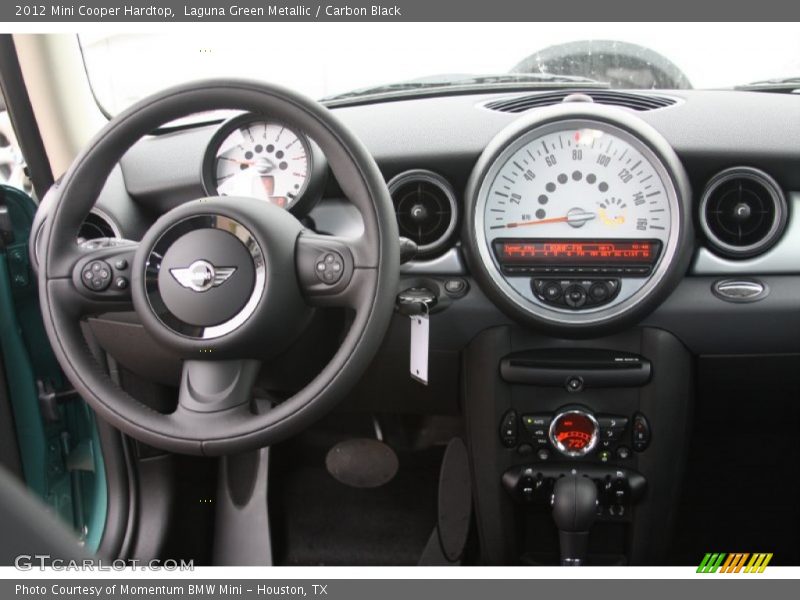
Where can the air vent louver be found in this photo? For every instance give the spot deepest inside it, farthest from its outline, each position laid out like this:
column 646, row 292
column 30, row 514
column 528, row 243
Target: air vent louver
column 742, row 212
column 639, row 102
column 426, row 209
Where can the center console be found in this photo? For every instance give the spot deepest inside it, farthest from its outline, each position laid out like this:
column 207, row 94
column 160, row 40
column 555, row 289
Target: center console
column 612, row 411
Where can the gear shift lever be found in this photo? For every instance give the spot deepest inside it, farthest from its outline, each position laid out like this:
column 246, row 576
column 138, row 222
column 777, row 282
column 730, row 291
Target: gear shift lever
column 574, row 508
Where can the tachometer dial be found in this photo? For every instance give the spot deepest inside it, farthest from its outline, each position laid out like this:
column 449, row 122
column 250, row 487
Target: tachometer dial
column 259, row 158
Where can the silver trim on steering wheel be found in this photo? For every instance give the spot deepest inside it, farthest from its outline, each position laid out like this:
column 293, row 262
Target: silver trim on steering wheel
column 153, row 266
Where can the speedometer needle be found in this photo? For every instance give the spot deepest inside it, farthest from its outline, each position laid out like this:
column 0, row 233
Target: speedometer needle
column 576, row 218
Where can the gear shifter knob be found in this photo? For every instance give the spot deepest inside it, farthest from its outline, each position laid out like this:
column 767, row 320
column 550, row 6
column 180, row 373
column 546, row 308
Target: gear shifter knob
column 574, row 511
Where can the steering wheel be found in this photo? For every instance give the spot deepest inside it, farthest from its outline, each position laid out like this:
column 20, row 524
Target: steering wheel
column 224, row 283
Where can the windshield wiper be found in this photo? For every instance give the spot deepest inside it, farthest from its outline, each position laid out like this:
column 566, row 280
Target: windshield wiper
column 776, row 84
column 466, row 83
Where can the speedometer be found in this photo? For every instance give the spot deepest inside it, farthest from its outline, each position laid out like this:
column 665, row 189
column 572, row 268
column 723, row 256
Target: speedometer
column 580, row 182
column 577, row 220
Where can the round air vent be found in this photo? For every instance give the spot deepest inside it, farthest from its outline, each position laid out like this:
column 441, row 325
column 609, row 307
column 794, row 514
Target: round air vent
column 426, row 209
column 742, row 212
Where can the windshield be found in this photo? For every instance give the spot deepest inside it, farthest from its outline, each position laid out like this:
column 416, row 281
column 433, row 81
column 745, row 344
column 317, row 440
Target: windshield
column 328, row 60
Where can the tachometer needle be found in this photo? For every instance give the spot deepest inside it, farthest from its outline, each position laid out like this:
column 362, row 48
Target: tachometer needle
column 249, row 163
column 574, row 218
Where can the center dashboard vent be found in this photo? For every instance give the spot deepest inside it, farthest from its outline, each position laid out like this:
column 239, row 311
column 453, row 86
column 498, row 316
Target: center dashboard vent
column 743, row 212
column 633, row 101
column 426, row 209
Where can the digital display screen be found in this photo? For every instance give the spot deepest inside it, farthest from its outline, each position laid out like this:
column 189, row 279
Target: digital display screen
column 574, row 433
column 576, row 252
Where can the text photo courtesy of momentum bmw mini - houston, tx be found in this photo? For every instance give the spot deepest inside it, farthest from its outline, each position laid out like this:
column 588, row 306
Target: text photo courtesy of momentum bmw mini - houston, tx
column 295, row 300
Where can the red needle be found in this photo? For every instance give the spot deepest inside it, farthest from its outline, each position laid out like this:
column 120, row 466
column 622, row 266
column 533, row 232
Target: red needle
column 249, row 163
column 572, row 217
column 564, row 219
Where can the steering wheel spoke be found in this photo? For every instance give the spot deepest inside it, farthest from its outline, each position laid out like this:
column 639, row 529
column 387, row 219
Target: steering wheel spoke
column 214, row 386
column 101, row 277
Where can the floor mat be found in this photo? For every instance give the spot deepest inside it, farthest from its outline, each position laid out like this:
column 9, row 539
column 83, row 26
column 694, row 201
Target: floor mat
column 742, row 487
column 317, row 520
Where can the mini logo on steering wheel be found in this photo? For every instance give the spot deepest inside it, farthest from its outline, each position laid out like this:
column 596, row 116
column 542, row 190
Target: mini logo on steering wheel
column 201, row 275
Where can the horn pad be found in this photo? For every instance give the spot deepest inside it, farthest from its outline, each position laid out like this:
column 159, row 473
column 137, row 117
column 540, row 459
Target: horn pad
column 201, row 276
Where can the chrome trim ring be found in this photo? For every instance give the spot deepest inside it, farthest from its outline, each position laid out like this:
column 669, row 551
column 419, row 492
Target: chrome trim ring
column 561, row 447
column 153, row 266
column 633, row 291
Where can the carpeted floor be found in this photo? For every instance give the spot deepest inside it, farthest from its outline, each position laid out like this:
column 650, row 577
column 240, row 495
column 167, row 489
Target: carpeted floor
column 317, row 520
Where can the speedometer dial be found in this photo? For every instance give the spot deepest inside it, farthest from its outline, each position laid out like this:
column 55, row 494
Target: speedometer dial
column 575, row 184
column 259, row 158
column 578, row 221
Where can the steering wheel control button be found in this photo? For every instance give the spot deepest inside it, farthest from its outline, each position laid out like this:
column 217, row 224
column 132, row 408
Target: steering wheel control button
column 121, row 283
column 121, row 264
column 329, row 267
column 96, row 276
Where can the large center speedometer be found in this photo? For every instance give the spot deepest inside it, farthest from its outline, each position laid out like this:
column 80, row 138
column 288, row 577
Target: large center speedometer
column 576, row 221
column 577, row 182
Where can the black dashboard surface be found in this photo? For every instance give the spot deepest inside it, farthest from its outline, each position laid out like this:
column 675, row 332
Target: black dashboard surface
column 709, row 130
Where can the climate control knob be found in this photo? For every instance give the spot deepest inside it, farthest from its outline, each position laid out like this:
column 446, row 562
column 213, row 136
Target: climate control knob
column 574, row 432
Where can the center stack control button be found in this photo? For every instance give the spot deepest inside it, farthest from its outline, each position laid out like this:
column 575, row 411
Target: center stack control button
column 599, row 291
column 538, row 426
column 641, row 433
column 508, row 429
column 575, row 296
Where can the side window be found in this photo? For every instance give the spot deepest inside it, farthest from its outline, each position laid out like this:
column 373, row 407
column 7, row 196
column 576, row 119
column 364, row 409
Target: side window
column 12, row 165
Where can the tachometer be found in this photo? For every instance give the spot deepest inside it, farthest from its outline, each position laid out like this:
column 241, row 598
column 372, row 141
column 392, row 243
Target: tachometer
column 576, row 220
column 260, row 158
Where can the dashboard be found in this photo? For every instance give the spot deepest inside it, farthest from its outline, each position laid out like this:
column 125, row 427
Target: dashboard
column 676, row 209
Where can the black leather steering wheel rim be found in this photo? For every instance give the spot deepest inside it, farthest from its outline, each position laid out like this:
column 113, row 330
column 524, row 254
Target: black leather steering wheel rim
column 375, row 259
